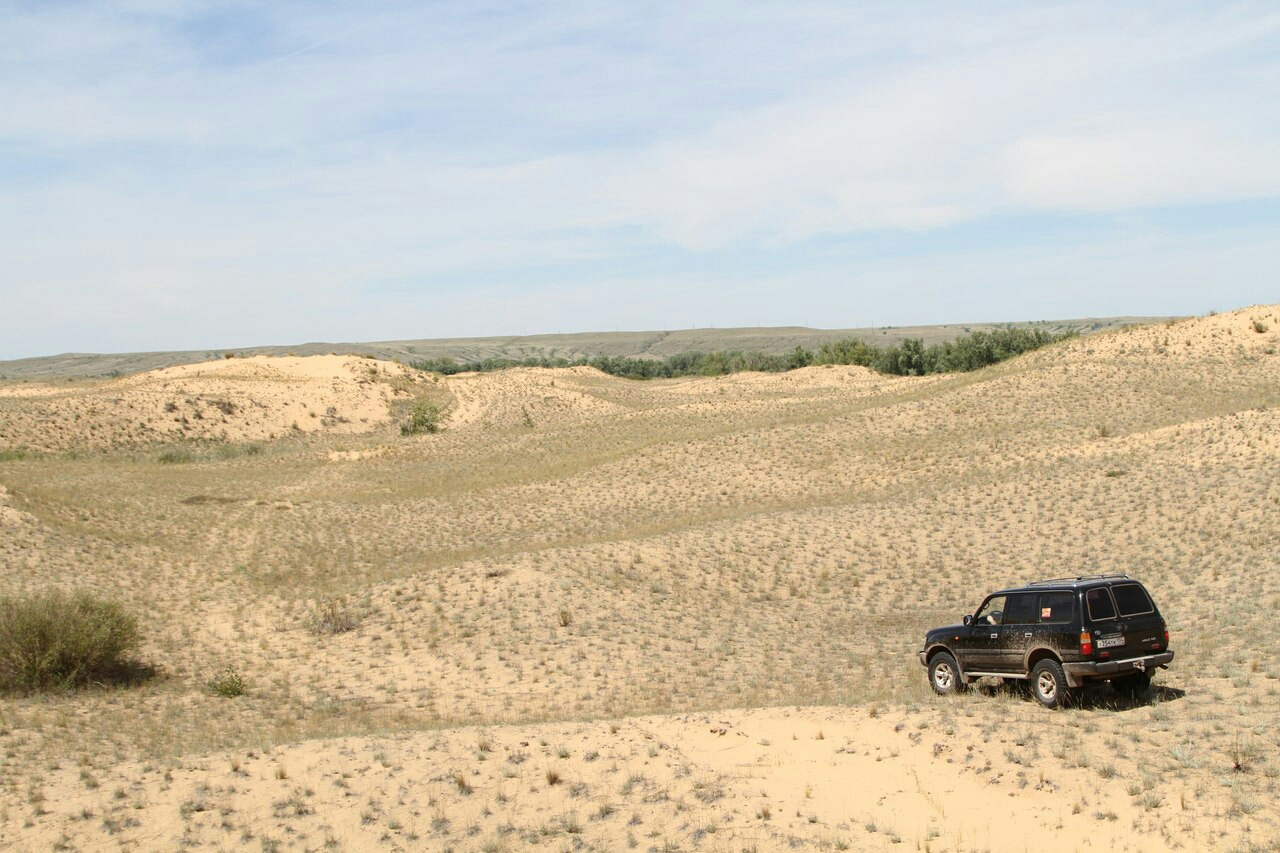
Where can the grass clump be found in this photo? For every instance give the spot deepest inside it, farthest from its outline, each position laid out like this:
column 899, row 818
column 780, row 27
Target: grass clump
column 332, row 617
column 56, row 640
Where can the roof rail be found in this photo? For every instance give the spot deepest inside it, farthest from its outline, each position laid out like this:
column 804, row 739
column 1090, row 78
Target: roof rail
column 1079, row 578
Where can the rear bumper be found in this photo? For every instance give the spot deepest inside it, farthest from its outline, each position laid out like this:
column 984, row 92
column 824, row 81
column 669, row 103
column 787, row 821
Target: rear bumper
column 1078, row 673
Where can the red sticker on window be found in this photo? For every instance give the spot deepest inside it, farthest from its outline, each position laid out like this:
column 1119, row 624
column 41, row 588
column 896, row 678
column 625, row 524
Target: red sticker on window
column 1046, row 612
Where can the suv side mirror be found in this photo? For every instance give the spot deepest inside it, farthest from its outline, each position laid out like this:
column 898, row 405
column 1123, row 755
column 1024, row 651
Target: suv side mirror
column 968, row 619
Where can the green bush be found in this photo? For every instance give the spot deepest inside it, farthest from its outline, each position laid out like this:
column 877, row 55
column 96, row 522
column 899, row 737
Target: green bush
column 56, row 640
column 228, row 684
column 424, row 417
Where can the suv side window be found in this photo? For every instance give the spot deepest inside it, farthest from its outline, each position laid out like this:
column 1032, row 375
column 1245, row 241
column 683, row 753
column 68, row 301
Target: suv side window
column 1132, row 599
column 1020, row 609
column 1056, row 608
column 1098, row 600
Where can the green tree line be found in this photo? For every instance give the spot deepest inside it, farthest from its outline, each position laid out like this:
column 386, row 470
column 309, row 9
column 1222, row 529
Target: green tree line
column 908, row 358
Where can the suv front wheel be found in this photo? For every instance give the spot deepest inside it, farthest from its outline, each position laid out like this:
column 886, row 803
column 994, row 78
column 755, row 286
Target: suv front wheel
column 1049, row 683
column 944, row 675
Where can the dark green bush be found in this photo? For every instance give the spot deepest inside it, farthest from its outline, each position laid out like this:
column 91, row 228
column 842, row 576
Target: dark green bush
column 56, row 640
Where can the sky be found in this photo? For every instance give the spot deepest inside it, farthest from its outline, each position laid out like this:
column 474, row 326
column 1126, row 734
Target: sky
column 191, row 175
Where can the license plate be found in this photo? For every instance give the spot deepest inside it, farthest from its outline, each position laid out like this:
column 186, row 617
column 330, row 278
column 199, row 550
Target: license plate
column 1110, row 642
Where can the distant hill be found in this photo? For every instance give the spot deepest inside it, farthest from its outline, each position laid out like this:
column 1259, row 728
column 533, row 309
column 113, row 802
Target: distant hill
column 571, row 346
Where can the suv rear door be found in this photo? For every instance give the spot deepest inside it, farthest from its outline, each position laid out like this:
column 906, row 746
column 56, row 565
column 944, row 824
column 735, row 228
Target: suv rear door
column 1053, row 625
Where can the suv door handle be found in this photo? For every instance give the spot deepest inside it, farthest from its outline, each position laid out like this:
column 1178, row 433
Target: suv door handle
column 993, row 636
column 1028, row 634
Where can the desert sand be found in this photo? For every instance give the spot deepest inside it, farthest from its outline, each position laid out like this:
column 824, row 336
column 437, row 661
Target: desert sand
column 594, row 613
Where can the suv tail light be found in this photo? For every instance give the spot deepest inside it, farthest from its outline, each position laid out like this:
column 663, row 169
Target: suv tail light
column 1165, row 625
column 1086, row 643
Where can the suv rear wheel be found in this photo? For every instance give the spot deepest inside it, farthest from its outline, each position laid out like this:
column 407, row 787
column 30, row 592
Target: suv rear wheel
column 944, row 675
column 1049, row 683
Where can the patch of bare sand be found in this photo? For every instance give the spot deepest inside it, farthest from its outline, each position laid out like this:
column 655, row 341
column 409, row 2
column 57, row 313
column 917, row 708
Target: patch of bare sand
column 249, row 399
column 766, row 779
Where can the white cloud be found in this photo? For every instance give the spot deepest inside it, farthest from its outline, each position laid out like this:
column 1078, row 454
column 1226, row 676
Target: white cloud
column 1123, row 169
column 957, row 135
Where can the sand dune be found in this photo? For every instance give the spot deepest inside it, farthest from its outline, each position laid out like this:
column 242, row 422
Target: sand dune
column 592, row 578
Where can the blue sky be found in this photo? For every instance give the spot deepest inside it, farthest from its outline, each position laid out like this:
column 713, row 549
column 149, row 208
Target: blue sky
column 188, row 175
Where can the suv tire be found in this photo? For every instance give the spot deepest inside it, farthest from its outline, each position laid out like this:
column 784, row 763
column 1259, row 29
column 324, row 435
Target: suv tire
column 944, row 675
column 1049, row 683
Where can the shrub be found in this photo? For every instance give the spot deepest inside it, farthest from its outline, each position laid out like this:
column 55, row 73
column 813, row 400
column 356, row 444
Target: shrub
column 424, row 417
column 228, row 684
column 332, row 617
column 56, row 640
column 177, row 456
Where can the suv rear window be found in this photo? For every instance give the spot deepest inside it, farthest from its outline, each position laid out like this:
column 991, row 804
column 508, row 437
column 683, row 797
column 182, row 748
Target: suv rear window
column 1055, row 608
column 1099, row 602
column 1132, row 599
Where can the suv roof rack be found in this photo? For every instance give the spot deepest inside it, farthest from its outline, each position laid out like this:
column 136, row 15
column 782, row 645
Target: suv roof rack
column 1079, row 578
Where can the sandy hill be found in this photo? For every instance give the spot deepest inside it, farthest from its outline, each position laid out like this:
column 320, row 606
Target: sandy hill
column 228, row 400
column 583, row 615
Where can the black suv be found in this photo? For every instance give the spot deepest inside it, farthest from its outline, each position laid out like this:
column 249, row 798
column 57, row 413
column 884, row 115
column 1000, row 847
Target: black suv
column 1059, row 633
